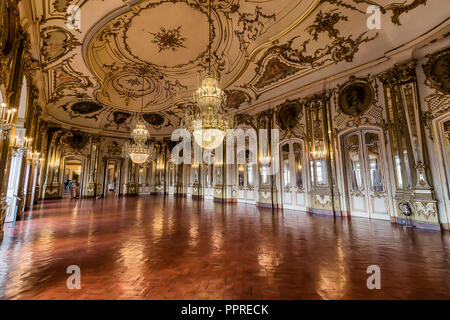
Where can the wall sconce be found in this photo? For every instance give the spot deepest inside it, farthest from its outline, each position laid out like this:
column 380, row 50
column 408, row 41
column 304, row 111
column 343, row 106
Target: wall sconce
column 22, row 146
column 33, row 157
column 7, row 116
column 54, row 164
column 241, row 168
column 160, row 166
column 265, row 160
column 318, row 154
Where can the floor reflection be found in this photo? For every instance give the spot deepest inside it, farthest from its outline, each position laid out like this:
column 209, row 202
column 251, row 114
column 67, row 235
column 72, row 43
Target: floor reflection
column 171, row 248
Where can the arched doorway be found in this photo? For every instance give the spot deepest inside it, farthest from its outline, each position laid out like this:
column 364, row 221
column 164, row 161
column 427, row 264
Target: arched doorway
column 366, row 180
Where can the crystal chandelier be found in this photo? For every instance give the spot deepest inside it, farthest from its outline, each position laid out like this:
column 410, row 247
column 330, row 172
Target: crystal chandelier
column 208, row 122
column 209, row 96
column 140, row 149
column 139, row 152
column 208, row 128
column 140, row 134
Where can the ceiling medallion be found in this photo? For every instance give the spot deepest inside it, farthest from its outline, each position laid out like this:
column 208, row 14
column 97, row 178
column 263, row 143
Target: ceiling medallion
column 140, row 149
column 356, row 97
column 168, row 39
column 437, row 71
column 210, row 124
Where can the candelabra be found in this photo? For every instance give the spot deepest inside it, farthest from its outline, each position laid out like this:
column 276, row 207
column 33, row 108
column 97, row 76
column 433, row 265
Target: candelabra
column 34, row 157
column 265, row 160
column 21, row 145
column 7, row 115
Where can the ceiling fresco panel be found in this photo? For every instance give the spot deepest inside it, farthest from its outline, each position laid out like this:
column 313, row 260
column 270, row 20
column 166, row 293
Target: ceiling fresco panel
column 96, row 76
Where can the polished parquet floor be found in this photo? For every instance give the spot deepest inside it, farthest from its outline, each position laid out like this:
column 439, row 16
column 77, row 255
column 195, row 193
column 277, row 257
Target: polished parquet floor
column 154, row 247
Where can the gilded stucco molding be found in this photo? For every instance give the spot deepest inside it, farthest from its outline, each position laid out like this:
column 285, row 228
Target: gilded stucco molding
column 436, row 72
column 56, row 42
column 357, row 103
column 396, row 9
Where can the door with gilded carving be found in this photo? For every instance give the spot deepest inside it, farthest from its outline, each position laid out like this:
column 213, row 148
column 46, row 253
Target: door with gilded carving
column 292, row 175
column 366, row 174
column 246, row 177
column 208, row 183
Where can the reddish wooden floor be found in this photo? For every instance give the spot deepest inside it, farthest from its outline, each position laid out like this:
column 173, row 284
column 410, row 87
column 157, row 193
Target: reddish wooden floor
column 164, row 248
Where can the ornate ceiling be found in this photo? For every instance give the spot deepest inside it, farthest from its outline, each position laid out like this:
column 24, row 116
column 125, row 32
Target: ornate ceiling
column 95, row 77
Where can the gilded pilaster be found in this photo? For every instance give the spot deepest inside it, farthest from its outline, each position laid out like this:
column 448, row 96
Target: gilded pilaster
column 5, row 160
column 267, row 192
column 94, row 153
column 406, row 133
column 324, row 195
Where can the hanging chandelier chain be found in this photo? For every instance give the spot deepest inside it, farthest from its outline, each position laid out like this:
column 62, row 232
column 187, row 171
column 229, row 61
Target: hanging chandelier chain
column 139, row 149
column 210, row 37
column 143, row 87
column 211, row 122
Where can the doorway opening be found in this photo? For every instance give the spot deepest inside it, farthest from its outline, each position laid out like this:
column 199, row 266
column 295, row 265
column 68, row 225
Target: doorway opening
column 112, row 178
column 72, row 179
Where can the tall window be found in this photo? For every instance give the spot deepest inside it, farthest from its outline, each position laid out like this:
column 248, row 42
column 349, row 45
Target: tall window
column 141, row 176
column 286, row 166
column 298, row 165
column 249, row 175
column 241, row 178
column 209, row 176
column 354, row 155
column 292, row 165
column 247, row 170
column 373, row 157
column 264, row 174
column 196, row 174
